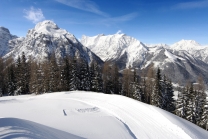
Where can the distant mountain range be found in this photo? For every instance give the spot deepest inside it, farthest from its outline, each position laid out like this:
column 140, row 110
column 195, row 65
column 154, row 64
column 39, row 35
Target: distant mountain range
column 182, row 61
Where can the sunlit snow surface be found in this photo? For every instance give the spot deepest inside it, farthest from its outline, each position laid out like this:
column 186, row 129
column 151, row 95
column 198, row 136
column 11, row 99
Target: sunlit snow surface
column 89, row 115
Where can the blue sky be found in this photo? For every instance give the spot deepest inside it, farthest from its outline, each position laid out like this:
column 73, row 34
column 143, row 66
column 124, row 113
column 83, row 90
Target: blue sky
column 150, row 21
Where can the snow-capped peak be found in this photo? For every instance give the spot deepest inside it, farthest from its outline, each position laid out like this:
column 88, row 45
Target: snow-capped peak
column 186, row 45
column 50, row 28
column 112, row 47
column 46, row 24
column 188, row 42
column 46, row 38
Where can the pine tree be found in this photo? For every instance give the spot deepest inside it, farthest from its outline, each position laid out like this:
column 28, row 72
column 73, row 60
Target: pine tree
column 105, row 73
column 115, row 79
column 149, row 83
column 53, row 75
column 190, row 113
column 40, row 78
column 156, row 97
column 84, row 82
column 25, row 74
column 18, row 77
column 111, row 79
column 95, row 78
column 204, row 117
column 126, row 80
column 200, row 100
column 73, row 85
column 168, row 101
column 137, row 92
column 144, row 90
column 65, row 74
column 11, row 84
column 181, row 104
column 135, row 88
column 33, row 77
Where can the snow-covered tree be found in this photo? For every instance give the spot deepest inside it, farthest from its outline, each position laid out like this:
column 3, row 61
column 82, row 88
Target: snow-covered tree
column 53, row 74
column 18, row 77
column 11, row 82
column 167, row 96
column 204, row 117
column 190, row 106
column 95, row 78
column 156, row 97
column 25, row 74
column 65, row 74
column 84, row 81
column 181, row 103
column 73, row 85
column 137, row 92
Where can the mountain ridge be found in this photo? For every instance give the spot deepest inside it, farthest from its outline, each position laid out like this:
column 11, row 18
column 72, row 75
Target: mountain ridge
column 179, row 65
column 45, row 38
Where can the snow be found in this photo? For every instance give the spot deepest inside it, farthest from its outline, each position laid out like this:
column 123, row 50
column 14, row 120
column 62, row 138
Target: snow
column 186, row 45
column 48, row 27
column 16, row 128
column 80, row 114
column 112, row 47
column 172, row 57
column 192, row 47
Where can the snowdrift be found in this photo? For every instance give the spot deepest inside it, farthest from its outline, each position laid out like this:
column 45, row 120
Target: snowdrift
column 80, row 114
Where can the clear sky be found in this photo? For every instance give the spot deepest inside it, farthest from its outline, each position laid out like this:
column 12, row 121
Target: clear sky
column 150, row 21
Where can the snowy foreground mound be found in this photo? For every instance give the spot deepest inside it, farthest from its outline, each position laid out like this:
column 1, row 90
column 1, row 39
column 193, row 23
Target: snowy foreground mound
column 78, row 115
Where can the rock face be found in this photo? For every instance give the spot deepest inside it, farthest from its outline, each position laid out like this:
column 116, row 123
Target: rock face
column 177, row 61
column 5, row 37
column 47, row 38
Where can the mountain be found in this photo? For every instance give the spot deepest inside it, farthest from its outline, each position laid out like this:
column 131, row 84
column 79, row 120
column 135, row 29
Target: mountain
column 126, row 51
column 179, row 66
column 47, row 38
column 79, row 114
column 5, row 37
column 186, row 45
column 192, row 47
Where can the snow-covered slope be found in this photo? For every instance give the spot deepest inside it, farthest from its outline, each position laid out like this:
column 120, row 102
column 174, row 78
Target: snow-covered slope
column 124, row 49
column 5, row 37
column 89, row 115
column 47, row 38
column 20, row 128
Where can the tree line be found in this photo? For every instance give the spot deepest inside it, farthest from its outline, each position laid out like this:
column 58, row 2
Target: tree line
column 26, row 76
